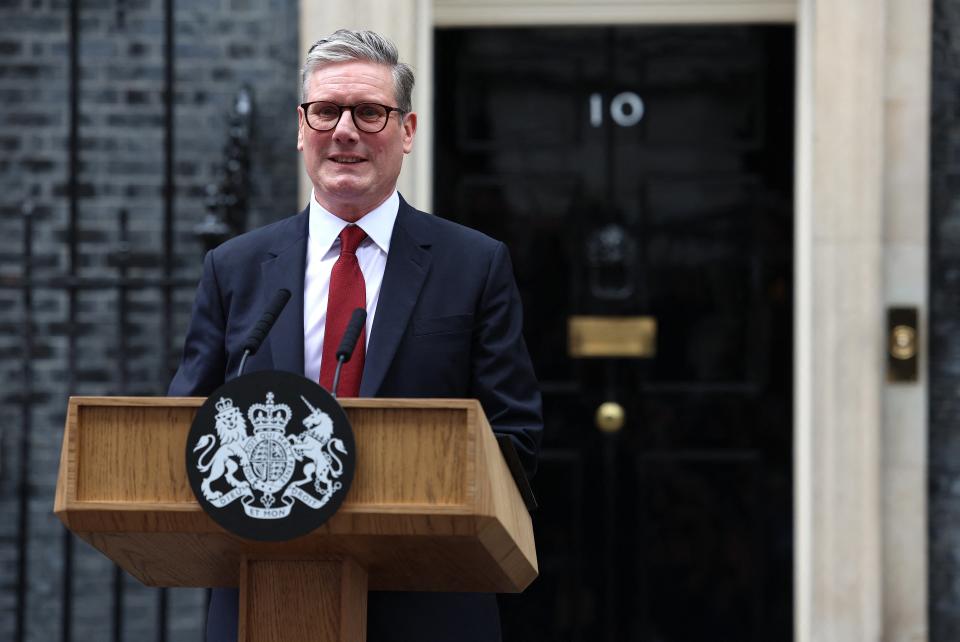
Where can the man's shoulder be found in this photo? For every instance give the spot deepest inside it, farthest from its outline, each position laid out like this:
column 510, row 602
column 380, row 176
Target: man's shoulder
column 436, row 228
column 263, row 241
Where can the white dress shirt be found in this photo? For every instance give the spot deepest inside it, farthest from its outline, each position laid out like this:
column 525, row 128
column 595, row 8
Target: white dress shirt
column 323, row 250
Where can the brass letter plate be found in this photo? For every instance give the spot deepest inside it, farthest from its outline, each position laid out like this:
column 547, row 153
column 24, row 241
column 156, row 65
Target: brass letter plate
column 634, row 337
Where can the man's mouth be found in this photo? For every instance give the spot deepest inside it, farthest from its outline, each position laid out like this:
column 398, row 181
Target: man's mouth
column 347, row 160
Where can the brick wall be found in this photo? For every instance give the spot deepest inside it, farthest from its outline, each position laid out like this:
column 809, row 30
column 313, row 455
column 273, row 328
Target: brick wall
column 220, row 45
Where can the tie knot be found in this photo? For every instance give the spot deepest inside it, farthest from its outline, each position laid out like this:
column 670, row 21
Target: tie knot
column 350, row 239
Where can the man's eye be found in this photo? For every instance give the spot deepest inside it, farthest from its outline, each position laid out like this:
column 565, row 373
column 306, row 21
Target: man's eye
column 369, row 112
column 326, row 112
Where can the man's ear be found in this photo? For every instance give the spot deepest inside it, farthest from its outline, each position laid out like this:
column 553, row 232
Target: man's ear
column 409, row 129
column 300, row 124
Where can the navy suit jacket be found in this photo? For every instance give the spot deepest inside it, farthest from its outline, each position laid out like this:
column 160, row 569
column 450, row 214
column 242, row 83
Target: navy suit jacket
column 448, row 324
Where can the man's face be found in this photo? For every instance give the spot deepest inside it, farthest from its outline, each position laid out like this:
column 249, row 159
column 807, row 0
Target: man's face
column 353, row 171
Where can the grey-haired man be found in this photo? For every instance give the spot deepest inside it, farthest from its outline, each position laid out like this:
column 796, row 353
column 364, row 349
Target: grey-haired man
column 443, row 312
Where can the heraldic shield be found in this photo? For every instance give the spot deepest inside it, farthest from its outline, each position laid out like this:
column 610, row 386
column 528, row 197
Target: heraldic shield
column 270, row 456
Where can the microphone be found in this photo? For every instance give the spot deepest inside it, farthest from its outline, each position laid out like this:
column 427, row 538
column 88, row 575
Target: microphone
column 259, row 332
column 348, row 343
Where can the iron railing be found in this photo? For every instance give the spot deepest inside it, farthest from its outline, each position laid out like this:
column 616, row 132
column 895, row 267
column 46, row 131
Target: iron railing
column 227, row 207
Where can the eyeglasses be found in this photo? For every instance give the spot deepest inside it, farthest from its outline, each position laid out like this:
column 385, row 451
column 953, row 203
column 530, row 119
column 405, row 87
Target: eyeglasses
column 323, row 116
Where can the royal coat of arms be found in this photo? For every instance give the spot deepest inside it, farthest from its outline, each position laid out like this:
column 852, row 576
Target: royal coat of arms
column 269, row 470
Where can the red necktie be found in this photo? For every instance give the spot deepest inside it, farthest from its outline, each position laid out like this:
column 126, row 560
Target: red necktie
column 348, row 291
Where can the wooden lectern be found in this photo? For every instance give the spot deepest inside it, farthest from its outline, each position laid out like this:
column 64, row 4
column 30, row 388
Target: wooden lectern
column 432, row 508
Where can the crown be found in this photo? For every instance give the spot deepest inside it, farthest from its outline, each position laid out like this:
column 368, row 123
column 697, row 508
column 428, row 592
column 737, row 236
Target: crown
column 225, row 406
column 269, row 417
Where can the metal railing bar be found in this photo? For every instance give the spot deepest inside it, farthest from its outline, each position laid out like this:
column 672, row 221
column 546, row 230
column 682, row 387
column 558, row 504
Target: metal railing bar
column 122, row 261
column 23, row 505
column 168, row 182
column 116, row 626
column 162, row 600
column 168, row 233
column 74, row 216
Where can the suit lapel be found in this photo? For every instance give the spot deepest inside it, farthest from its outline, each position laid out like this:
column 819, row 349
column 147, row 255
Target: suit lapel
column 407, row 265
column 286, row 270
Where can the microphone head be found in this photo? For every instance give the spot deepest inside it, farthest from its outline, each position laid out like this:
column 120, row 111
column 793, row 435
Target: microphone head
column 279, row 301
column 260, row 330
column 351, row 334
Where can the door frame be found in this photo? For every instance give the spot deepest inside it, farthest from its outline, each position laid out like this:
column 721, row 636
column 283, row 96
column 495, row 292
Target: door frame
column 860, row 246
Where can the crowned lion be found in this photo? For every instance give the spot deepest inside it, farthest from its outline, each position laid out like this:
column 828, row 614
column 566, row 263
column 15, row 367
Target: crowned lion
column 232, row 433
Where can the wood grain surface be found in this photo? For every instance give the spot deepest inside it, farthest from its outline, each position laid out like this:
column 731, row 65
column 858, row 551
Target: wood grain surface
column 302, row 600
column 432, row 506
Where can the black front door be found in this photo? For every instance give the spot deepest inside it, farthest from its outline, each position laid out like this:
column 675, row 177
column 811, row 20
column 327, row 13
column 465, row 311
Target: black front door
column 643, row 172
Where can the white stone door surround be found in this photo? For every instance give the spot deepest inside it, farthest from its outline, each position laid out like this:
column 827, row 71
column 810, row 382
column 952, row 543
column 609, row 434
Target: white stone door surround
column 861, row 211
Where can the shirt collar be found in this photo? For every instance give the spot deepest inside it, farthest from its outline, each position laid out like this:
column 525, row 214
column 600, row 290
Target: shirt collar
column 325, row 227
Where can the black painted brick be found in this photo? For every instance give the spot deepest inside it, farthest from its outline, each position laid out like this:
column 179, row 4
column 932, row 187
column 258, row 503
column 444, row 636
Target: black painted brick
column 944, row 429
column 121, row 165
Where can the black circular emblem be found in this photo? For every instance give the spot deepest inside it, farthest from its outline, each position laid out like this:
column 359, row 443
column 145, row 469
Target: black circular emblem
column 270, row 456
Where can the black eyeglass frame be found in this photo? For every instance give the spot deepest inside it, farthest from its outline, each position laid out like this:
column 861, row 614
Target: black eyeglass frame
column 353, row 115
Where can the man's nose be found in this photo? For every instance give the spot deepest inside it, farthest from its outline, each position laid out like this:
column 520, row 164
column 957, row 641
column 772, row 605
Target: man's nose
column 346, row 130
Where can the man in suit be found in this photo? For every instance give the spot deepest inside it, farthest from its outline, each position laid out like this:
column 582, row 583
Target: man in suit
column 444, row 314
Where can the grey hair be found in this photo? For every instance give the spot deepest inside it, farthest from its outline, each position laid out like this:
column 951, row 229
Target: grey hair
column 345, row 45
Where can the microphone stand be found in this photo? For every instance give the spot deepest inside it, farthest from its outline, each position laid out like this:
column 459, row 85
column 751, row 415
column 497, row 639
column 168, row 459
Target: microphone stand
column 243, row 360
column 336, row 376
